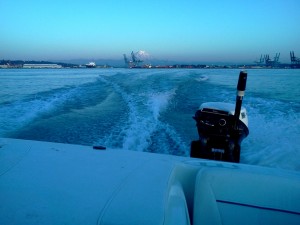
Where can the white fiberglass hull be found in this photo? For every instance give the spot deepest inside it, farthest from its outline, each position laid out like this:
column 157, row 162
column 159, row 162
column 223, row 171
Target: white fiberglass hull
column 50, row 183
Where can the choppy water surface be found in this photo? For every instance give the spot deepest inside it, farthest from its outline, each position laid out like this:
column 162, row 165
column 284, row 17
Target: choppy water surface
column 150, row 110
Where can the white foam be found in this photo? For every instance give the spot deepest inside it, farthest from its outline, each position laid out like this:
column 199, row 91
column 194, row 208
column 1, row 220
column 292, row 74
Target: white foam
column 159, row 101
column 202, row 78
column 144, row 111
column 274, row 136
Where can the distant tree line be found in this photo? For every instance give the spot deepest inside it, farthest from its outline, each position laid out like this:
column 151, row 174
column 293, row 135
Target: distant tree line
column 20, row 63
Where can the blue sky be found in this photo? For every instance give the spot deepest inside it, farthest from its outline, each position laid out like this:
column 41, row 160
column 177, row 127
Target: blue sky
column 190, row 30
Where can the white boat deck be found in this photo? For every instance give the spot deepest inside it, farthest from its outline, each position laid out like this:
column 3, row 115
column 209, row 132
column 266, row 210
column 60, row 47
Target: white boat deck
column 50, row 183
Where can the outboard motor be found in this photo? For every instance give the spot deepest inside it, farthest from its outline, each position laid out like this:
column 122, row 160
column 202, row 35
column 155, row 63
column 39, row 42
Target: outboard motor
column 221, row 128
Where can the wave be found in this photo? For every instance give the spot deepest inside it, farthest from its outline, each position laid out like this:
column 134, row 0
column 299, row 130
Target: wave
column 14, row 115
column 202, row 78
column 274, row 134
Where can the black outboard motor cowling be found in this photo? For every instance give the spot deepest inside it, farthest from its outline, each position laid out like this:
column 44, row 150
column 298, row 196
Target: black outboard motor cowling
column 221, row 128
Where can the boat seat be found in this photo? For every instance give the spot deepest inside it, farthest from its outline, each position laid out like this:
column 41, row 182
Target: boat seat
column 237, row 197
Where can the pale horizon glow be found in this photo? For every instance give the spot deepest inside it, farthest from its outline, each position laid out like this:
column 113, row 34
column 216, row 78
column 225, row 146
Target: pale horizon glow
column 193, row 30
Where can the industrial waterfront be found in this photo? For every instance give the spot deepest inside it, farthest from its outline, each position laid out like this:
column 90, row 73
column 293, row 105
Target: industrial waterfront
column 137, row 60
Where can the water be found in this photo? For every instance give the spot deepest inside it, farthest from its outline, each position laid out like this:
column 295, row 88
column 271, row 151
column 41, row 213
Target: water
column 150, row 110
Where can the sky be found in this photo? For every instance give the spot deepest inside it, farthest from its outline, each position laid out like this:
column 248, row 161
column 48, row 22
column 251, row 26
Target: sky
column 190, row 30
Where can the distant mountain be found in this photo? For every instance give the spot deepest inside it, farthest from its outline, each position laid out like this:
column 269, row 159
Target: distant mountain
column 143, row 55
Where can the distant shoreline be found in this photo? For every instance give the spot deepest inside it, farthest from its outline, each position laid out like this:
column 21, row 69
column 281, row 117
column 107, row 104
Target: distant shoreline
column 18, row 64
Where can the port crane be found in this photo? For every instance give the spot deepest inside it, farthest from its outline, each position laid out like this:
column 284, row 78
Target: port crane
column 134, row 62
column 270, row 62
column 261, row 60
column 295, row 61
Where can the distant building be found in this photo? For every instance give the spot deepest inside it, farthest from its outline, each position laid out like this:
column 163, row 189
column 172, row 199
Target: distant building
column 42, row 66
column 3, row 66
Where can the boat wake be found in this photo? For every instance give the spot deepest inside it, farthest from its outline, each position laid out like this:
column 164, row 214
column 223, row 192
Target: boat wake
column 17, row 114
column 143, row 129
